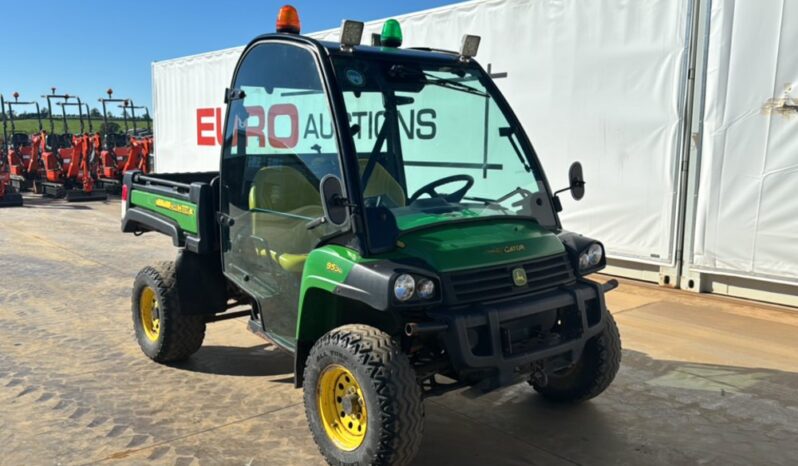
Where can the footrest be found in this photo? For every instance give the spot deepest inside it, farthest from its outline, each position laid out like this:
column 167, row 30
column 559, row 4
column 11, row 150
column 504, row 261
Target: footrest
column 254, row 327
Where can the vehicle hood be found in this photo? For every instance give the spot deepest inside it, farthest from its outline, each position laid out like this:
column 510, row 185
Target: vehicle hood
column 463, row 245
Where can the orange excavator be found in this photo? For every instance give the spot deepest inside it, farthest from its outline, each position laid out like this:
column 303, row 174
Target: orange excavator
column 8, row 196
column 82, row 171
column 22, row 150
column 142, row 136
column 66, row 158
column 115, row 156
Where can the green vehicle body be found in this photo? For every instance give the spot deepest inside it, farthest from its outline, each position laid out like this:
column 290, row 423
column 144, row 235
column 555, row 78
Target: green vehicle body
column 182, row 212
column 341, row 283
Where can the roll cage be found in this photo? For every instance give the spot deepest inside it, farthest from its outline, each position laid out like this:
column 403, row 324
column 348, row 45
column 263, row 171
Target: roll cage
column 323, row 52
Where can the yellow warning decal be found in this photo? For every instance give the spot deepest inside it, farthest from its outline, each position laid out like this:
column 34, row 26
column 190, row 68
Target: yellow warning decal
column 174, row 207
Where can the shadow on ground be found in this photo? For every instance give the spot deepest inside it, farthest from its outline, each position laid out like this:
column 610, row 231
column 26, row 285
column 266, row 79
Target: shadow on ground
column 40, row 202
column 656, row 412
column 256, row 361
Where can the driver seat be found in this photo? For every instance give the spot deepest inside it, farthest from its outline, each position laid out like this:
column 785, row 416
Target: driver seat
column 284, row 190
column 381, row 183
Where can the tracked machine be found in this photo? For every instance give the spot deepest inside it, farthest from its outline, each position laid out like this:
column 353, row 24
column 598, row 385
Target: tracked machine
column 66, row 157
column 118, row 154
column 23, row 151
column 141, row 140
column 9, row 197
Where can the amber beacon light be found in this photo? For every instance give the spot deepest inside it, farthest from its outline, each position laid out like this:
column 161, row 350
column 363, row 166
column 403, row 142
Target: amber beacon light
column 288, row 20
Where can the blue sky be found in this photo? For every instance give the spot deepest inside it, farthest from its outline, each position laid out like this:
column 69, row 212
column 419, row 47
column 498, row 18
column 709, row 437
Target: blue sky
column 99, row 43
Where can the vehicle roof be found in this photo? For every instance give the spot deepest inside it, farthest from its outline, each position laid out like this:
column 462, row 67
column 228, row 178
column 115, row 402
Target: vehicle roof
column 334, row 48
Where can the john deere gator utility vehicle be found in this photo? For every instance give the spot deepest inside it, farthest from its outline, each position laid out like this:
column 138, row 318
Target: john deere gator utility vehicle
column 385, row 218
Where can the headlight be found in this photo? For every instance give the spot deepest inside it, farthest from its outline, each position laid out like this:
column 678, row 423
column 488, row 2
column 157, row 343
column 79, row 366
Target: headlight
column 426, row 288
column 594, row 254
column 591, row 257
column 404, row 287
column 584, row 261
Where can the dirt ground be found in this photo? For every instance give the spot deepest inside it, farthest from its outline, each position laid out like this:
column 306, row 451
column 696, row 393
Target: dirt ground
column 703, row 380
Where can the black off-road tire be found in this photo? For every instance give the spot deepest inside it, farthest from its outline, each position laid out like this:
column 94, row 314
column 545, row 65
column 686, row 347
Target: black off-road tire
column 392, row 396
column 592, row 374
column 180, row 335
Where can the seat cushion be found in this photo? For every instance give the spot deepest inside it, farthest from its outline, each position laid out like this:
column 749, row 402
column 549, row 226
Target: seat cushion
column 282, row 201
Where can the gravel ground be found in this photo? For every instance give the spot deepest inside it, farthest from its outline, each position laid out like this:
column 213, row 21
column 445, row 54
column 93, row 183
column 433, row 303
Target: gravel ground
column 704, row 379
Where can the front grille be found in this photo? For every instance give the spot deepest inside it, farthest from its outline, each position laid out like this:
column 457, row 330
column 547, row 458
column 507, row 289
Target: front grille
column 497, row 282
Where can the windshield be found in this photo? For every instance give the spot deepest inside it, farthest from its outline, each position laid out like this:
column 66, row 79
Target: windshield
column 433, row 145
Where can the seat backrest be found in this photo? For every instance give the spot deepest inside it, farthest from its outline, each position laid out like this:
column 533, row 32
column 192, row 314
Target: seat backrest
column 117, row 140
column 20, row 139
column 282, row 189
column 381, row 183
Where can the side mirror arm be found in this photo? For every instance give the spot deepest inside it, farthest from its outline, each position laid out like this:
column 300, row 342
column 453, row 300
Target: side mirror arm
column 575, row 184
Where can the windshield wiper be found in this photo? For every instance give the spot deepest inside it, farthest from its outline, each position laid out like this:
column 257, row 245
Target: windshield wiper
column 508, row 133
column 414, row 74
column 452, row 84
column 486, row 202
column 496, row 202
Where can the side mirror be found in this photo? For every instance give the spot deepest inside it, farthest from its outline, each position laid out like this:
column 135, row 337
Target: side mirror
column 577, row 180
column 333, row 201
column 576, row 184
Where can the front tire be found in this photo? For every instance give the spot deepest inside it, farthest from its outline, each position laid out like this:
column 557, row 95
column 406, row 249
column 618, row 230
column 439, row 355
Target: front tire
column 162, row 331
column 362, row 401
column 592, row 374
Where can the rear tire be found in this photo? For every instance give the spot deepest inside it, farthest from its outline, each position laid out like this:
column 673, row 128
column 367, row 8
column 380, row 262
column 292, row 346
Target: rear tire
column 384, row 393
column 162, row 331
column 592, row 374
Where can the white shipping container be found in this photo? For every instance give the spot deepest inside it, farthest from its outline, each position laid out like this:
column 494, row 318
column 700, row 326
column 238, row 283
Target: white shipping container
column 747, row 208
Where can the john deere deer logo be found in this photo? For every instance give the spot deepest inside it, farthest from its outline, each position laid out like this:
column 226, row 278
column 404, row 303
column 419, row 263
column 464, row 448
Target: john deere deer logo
column 519, row 276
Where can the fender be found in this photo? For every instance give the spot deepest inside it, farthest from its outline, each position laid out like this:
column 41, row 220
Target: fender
column 339, row 286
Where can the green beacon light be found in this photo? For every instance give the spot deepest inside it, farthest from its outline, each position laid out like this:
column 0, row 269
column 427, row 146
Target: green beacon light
column 391, row 34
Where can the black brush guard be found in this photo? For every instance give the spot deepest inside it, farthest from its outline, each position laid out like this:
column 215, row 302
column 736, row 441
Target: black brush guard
column 494, row 345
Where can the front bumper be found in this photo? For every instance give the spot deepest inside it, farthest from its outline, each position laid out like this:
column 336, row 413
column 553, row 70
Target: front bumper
column 498, row 344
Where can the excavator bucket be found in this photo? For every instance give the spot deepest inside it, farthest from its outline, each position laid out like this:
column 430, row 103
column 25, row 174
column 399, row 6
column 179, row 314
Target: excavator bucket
column 79, row 195
column 11, row 199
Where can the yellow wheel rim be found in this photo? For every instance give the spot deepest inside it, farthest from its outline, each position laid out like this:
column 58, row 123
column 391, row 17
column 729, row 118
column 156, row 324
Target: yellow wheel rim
column 342, row 407
column 150, row 314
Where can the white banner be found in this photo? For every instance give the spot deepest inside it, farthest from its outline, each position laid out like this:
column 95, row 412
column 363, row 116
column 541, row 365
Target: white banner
column 747, row 208
column 596, row 81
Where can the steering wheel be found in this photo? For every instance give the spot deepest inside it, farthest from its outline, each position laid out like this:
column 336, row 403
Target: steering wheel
column 456, row 196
